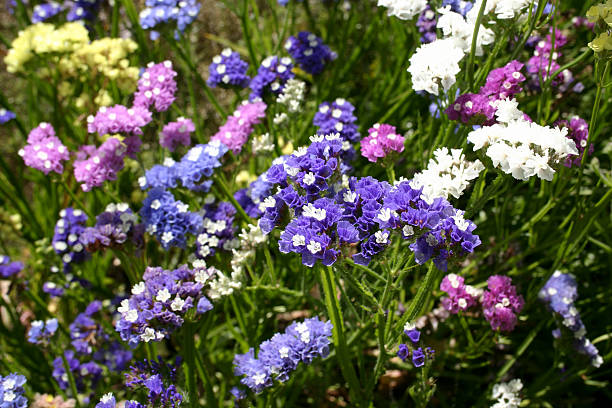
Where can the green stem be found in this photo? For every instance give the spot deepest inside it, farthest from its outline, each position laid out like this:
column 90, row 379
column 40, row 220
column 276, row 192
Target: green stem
column 76, row 199
column 211, row 401
column 188, row 348
column 470, row 66
column 71, row 380
column 219, row 181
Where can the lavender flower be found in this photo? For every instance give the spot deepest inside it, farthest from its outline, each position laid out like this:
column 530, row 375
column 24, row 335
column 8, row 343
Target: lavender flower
column 66, row 237
column 235, row 132
column 271, row 76
column 45, row 11
column 168, row 13
column 6, row 115
column 501, row 303
column 157, row 379
column 115, row 226
column 8, row 268
column 309, row 52
column 40, row 332
column 156, row 87
column 11, row 391
column 176, row 133
column 44, row 151
column 227, row 70
column 119, row 119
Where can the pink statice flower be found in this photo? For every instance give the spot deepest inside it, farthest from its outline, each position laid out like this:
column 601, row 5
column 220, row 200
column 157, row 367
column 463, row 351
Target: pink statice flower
column 176, row 133
column 235, row 132
column 460, row 296
column 501, row 304
column 578, row 131
column 44, row 151
column 382, row 139
column 119, row 119
column 472, row 109
column 156, row 87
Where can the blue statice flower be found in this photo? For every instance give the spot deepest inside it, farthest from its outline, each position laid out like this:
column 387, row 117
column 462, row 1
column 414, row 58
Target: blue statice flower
column 157, row 379
column 271, row 76
column 6, row 115
column 52, row 289
column 83, row 10
column 179, row 14
column 281, row 355
column 44, row 11
column 560, row 294
column 11, row 391
column 114, row 227
column 427, row 25
column 159, row 303
column 169, row 219
column 108, row 401
column 86, row 374
column 8, row 268
column 218, row 228
column 228, row 69
column 458, row 6
column 337, row 117
column 413, row 350
column 309, row 52
column 41, row 331
column 66, row 241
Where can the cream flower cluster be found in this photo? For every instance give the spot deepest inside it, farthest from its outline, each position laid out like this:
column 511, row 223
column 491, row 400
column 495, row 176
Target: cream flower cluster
column 403, row 9
column 436, row 64
column 503, row 9
column 507, row 394
column 454, row 25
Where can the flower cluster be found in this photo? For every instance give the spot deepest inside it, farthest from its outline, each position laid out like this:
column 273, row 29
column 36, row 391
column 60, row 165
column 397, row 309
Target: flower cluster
column 41, row 331
column 156, row 87
column 578, row 132
column 403, row 9
column 11, row 391
column 272, row 76
column 460, row 28
column 507, row 394
column 8, row 268
column 66, row 241
column 337, row 118
column 417, row 354
column 218, row 229
column 427, row 25
column 86, row 374
column 460, row 296
column 382, row 140
column 119, row 119
column 560, row 293
column 6, row 115
column 176, row 133
column 279, row 356
column 44, row 11
column 83, row 10
column 309, row 52
column 228, row 69
column 159, row 303
column 434, row 66
column 501, row 303
column 44, row 151
column 168, row 12
column 235, row 132
column 114, row 227
column 157, row 379
column 544, row 60
column 293, row 95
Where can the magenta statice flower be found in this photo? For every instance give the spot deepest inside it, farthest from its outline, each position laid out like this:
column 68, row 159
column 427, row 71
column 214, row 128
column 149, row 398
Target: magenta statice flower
column 271, row 76
column 472, row 109
column 578, row 131
column 228, row 69
column 236, row 130
column 66, row 235
column 501, row 304
column 6, row 115
column 382, row 140
column 156, row 87
column 176, row 133
column 544, row 60
column 504, row 82
column 279, row 356
column 44, row 151
column 309, row 52
column 119, row 119
column 337, row 117
column 8, row 268
column 41, row 331
column 460, row 296
column 12, row 392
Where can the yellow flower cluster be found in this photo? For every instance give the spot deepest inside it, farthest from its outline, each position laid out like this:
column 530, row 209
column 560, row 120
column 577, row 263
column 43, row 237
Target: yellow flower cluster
column 601, row 14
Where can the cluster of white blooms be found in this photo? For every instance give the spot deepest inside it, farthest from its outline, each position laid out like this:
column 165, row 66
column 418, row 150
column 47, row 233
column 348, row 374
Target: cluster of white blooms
column 447, row 174
column 263, row 143
column 522, row 148
column 454, row 25
column 436, row 64
column 403, row 9
column 292, row 95
column 507, row 394
column 503, row 9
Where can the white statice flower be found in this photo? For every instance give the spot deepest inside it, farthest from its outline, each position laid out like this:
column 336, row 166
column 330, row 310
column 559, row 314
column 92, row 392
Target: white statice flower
column 507, row 395
column 292, row 95
column 447, row 174
column 507, row 110
column 262, row 143
column 503, row 9
column 436, row 65
column 221, row 286
column 403, row 9
column 462, row 30
column 524, row 149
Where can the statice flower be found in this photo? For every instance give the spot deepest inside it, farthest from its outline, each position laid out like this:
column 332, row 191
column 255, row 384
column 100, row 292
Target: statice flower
column 86, row 374
column 560, row 294
column 544, row 60
column 83, row 10
column 293, row 95
column 238, row 127
column 578, row 132
column 44, row 151
column 114, row 227
column 176, row 133
column 461, row 29
column 52, row 289
column 381, row 141
column 447, row 174
column 50, row 401
column 271, row 76
column 12, row 392
column 427, row 25
column 119, row 119
column 159, row 303
column 472, row 109
column 412, row 350
column 44, row 11
column 169, row 219
column 504, row 82
column 250, row 238
column 107, row 401
column 309, row 52
column 156, row 87
column 459, row 6
column 41, row 331
column 507, row 394
column 169, row 12
column 279, row 356
column 157, row 379
column 403, row 9
column 8, row 268
column 218, row 229
column 6, row 115
column 460, row 296
column 501, row 303
column 262, row 144
column 503, row 9
column 434, row 66
column 228, row 69
column 337, row 118
column 65, row 241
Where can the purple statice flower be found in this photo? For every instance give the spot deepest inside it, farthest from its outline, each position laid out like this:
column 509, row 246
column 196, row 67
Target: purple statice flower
column 44, row 151
column 83, row 10
column 337, row 117
column 228, row 70
column 169, row 219
column 156, row 87
column 279, row 356
column 169, row 13
column 65, row 241
column 86, row 374
column 427, row 25
column 93, row 166
column 381, row 141
column 176, row 133
column 119, row 119
column 504, row 82
column 44, row 11
column 218, row 229
column 578, row 131
column 560, row 293
column 544, row 61
column 580, row 21
column 472, row 109
column 107, row 401
column 238, row 127
column 114, row 227
column 501, row 303
column 8, row 268
column 309, row 52
column 412, row 350
column 271, row 76
column 157, row 379
column 197, row 165
column 458, row 6
column 41, row 331
column 6, row 115
column 159, row 303
column 12, row 392
column 460, row 296
column 52, row 289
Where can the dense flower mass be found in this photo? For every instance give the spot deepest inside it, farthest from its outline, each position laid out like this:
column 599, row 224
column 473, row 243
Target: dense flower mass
column 114, row 227
column 239, row 126
column 44, row 151
column 501, row 304
column 160, row 13
column 45, row 11
column 309, row 52
column 382, row 140
column 272, row 76
column 8, row 268
column 175, row 134
column 279, row 356
column 434, row 66
column 403, row 9
column 460, row 296
column 12, row 392
column 228, row 69
column 337, row 117
column 578, row 132
column 218, row 229
column 119, row 119
column 156, row 87
column 66, row 241
column 507, row 394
